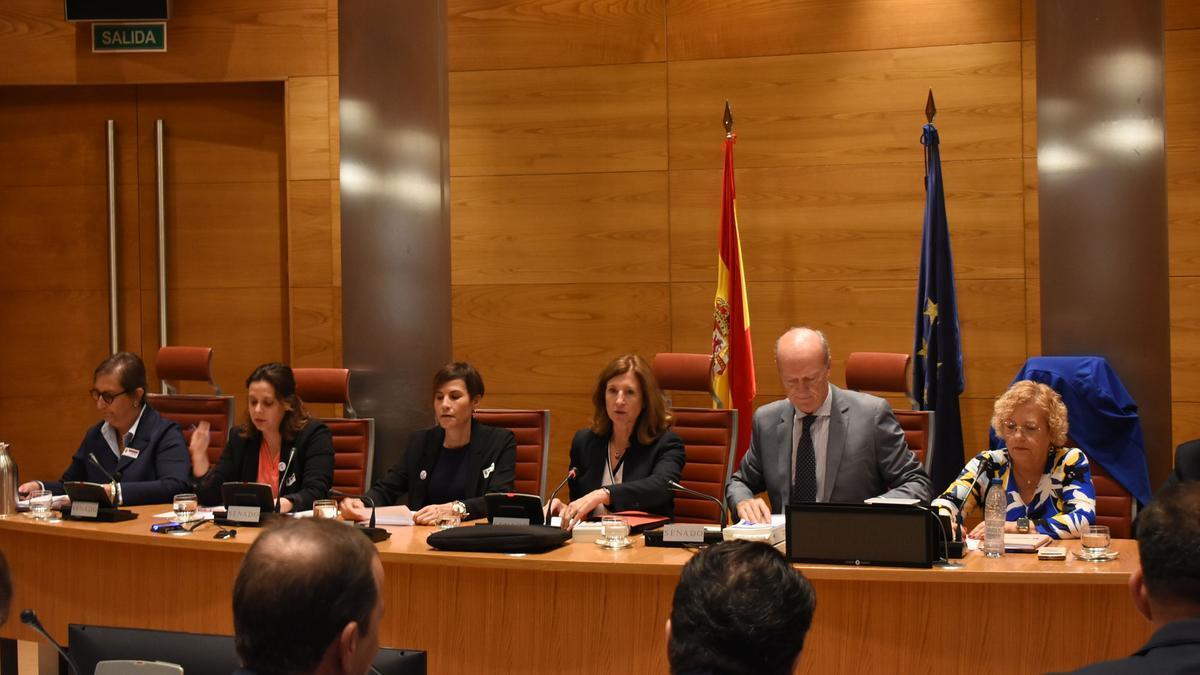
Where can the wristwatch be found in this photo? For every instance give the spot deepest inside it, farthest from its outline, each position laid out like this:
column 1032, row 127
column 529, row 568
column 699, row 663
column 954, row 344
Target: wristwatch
column 1023, row 525
column 459, row 509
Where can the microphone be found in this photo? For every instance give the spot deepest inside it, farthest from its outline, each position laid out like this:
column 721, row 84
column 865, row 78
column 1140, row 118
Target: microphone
column 695, row 493
column 375, row 533
column 283, row 476
column 30, row 618
column 987, row 464
column 112, row 478
column 570, row 474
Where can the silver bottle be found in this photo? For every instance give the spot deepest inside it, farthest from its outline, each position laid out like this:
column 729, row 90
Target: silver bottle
column 8, row 483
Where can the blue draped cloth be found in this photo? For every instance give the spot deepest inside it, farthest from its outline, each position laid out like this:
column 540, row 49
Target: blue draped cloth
column 1102, row 416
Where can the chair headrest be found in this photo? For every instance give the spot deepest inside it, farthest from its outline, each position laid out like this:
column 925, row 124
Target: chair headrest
column 877, row 371
column 683, row 372
column 185, row 363
column 323, row 385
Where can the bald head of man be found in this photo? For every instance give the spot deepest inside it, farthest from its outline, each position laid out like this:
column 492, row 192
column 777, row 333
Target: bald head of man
column 308, row 599
column 802, row 357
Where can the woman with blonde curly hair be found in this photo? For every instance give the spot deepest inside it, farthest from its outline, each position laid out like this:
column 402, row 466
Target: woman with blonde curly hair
column 1048, row 486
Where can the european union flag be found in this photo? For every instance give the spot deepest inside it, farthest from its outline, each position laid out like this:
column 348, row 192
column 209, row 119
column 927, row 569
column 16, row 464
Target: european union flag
column 937, row 351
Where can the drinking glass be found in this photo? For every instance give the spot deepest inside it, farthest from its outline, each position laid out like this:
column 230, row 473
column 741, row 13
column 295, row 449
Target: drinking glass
column 325, row 508
column 40, row 504
column 614, row 530
column 449, row 520
column 185, row 506
column 1095, row 539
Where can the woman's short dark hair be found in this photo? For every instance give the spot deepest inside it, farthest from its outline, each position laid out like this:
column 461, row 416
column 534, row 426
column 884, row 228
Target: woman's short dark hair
column 299, row 585
column 129, row 369
column 460, row 370
column 283, row 381
column 653, row 420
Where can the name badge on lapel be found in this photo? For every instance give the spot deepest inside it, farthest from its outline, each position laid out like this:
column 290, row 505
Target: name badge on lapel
column 424, row 474
column 282, row 466
column 291, row 480
column 488, row 471
column 131, row 453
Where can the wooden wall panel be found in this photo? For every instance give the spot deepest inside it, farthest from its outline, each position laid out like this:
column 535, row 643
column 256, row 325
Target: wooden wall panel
column 1185, row 339
column 560, row 228
column 491, row 34
column 1181, row 14
column 554, row 338
column 207, row 248
column 310, row 236
column 712, row 29
column 860, row 221
column 865, row 315
column 43, row 452
column 1182, row 75
column 1185, row 422
column 308, row 128
column 215, row 40
column 1029, row 98
column 312, row 339
column 558, row 120
column 850, row 107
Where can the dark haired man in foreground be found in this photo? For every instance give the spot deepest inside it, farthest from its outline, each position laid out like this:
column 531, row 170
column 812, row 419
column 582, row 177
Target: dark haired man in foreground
column 739, row 609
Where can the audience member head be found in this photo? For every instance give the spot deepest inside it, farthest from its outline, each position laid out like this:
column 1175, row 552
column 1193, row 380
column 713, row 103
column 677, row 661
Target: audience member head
column 308, row 598
column 272, row 402
column 739, row 609
column 1166, row 586
column 803, row 359
column 651, row 409
column 5, row 589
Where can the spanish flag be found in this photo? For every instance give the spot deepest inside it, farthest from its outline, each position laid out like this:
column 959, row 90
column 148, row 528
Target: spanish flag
column 733, row 359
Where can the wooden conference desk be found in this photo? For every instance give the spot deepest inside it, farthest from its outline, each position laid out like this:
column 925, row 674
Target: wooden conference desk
column 581, row 609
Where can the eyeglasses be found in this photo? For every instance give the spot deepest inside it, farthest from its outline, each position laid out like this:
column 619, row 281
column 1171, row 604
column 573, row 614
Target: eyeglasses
column 1011, row 428
column 108, row 397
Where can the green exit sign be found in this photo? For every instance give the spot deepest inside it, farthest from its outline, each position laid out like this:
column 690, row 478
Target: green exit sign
column 129, row 37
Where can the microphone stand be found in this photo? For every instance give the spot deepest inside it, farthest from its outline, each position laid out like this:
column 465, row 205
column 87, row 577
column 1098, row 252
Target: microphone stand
column 283, row 476
column 30, row 618
column 988, row 464
column 570, row 474
column 677, row 487
column 375, row 534
column 658, row 537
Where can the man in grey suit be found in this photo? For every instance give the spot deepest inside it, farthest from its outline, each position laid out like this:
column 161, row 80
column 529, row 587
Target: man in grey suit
column 823, row 443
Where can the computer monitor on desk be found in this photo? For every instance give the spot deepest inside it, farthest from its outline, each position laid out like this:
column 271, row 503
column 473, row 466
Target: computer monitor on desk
column 198, row 654
column 861, row 534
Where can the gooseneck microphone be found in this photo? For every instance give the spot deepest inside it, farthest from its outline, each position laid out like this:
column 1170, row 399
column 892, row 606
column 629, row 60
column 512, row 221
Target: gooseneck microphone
column 988, row 464
column 30, row 618
column 570, row 474
column 696, row 493
column 112, row 477
column 283, row 477
column 375, row 533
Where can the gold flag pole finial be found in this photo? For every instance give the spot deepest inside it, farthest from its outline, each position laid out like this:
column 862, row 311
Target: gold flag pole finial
column 930, row 108
column 728, row 121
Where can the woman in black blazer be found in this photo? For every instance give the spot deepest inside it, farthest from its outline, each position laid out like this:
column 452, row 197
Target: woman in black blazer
column 448, row 468
column 277, row 444
column 625, row 461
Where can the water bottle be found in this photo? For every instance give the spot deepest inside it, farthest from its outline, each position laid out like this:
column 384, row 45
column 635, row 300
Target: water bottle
column 994, row 508
column 8, row 483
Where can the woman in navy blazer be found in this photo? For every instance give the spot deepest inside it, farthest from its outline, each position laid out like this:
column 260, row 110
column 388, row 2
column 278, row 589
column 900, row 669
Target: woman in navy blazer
column 626, row 459
column 278, row 443
column 144, row 452
column 447, row 469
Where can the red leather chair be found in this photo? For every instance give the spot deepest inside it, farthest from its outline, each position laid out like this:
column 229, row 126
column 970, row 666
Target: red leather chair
column 1115, row 506
column 353, row 437
column 532, row 429
column 709, row 436
column 193, row 364
column 886, row 372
